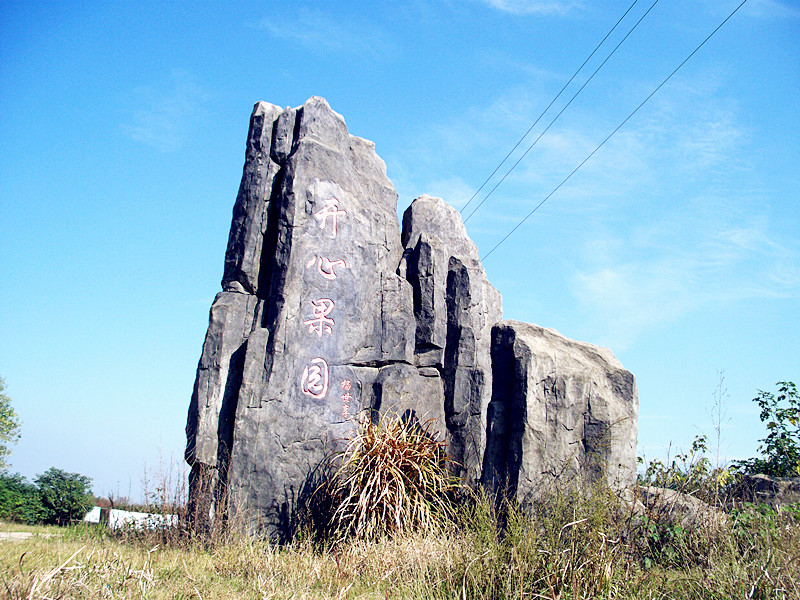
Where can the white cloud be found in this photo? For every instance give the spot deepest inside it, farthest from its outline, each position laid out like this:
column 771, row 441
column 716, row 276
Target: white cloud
column 452, row 190
column 668, row 217
column 632, row 297
column 166, row 113
column 685, row 133
column 536, row 7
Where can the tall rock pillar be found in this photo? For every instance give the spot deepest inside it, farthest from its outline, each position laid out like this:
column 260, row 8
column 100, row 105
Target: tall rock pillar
column 455, row 307
column 311, row 310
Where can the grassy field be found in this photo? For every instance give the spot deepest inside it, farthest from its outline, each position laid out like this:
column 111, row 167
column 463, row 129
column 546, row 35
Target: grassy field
column 570, row 545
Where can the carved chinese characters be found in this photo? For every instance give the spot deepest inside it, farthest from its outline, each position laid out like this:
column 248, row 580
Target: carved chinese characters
column 325, row 266
column 314, row 382
column 322, row 318
column 320, row 323
column 330, row 210
column 346, row 397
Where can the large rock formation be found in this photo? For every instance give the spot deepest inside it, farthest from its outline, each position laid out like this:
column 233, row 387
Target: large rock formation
column 328, row 309
column 559, row 409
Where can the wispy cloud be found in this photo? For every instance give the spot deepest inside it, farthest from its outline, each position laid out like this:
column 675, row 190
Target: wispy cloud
column 689, row 126
column 764, row 10
column 165, row 113
column 668, row 218
column 771, row 9
column 637, row 283
column 536, row 7
column 320, row 32
column 687, row 234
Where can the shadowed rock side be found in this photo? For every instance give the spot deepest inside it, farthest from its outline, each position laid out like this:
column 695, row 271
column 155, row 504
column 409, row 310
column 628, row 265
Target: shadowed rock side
column 560, row 409
column 327, row 310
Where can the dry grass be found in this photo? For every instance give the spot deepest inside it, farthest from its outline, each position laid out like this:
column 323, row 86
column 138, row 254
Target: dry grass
column 399, row 533
column 393, row 479
column 91, row 565
column 572, row 545
column 35, row 529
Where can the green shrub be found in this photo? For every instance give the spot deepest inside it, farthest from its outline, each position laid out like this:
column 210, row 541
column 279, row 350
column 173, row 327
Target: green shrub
column 19, row 500
column 687, row 472
column 780, row 450
column 9, row 426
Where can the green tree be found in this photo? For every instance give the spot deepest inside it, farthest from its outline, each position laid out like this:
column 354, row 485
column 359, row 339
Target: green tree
column 19, row 500
column 65, row 496
column 780, row 450
column 9, row 426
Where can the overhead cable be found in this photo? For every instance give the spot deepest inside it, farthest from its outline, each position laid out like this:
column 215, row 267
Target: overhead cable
column 575, row 95
column 610, row 135
column 574, row 75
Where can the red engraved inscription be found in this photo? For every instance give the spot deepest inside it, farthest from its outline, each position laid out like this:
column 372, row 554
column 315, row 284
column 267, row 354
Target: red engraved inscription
column 314, row 381
column 320, row 323
column 329, row 211
column 325, row 267
column 347, row 397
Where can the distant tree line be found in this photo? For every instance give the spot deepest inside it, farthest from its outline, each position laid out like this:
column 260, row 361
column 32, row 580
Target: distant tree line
column 9, row 426
column 55, row 496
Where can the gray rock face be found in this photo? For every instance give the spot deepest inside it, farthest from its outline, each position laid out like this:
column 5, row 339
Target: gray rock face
column 314, row 324
column 252, row 208
column 560, row 409
column 327, row 310
column 670, row 507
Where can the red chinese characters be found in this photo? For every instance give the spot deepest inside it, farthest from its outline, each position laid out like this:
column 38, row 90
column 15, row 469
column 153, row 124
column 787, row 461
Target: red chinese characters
column 325, row 266
column 347, row 397
column 314, row 381
column 320, row 323
column 330, row 211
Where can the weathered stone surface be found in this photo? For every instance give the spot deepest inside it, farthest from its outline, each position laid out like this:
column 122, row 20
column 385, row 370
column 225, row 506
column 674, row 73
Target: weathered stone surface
column 560, row 409
column 218, row 373
column 328, row 311
column 251, row 211
column 402, row 390
column 775, row 491
column 670, row 507
column 455, row 307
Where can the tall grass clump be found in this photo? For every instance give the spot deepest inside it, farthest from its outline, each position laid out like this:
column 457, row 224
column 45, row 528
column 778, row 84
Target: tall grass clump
column 393, row 479
column 567, row 543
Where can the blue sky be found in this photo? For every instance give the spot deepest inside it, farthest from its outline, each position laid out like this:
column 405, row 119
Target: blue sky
column 122, row 137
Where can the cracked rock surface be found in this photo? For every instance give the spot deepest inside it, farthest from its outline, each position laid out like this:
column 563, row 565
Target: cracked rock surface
column 328, row 310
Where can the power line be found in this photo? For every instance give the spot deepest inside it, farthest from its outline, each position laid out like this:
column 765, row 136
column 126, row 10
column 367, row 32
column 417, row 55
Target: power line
column 574, row 75
column 575, row 95
column 628, row 118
